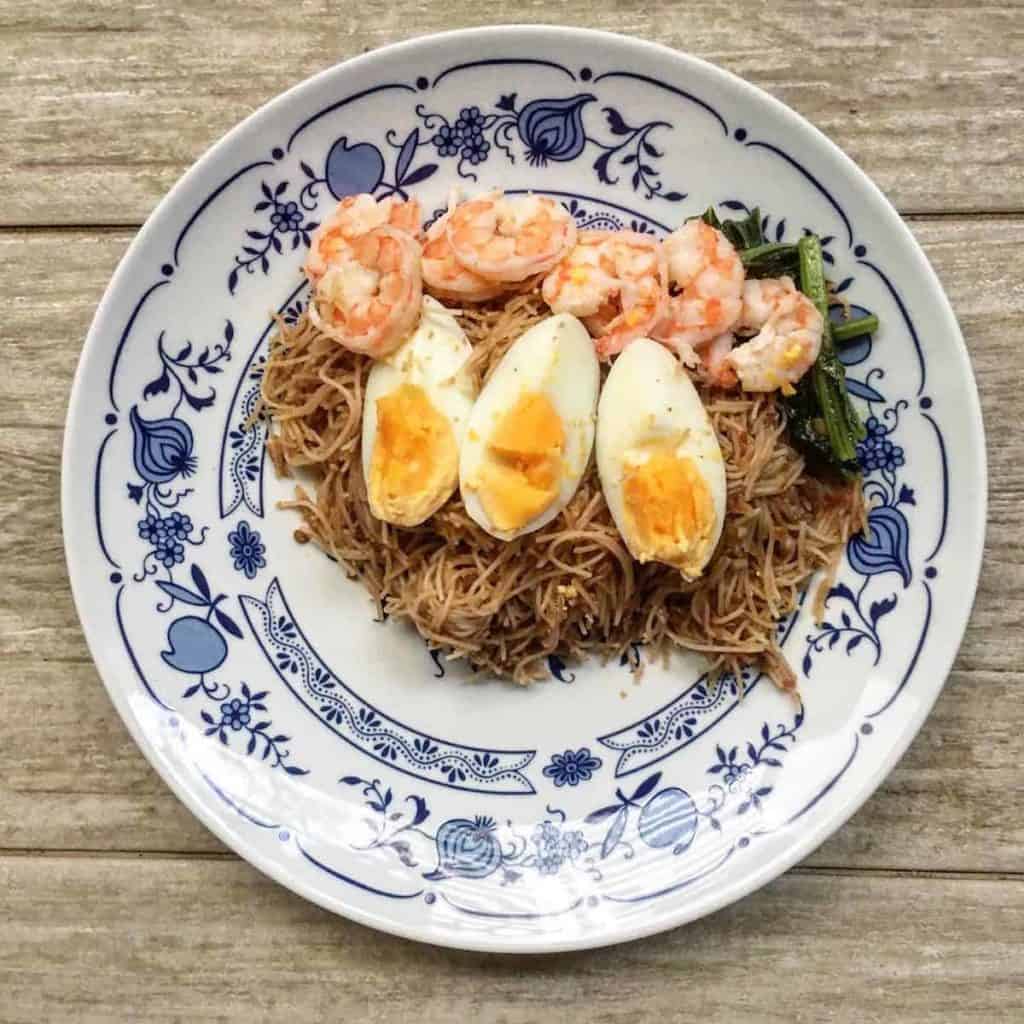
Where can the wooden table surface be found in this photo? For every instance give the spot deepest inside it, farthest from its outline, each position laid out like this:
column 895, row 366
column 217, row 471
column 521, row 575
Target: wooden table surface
column 116, row 904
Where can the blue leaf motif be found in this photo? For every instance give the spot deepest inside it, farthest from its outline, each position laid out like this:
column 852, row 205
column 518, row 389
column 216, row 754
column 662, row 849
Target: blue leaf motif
column 420, row 174
column 181, row 593
column 162, row 449
column 886, row 548
column 405, row 155
column 616, row 123
column 880, row 608
column 553, row 129
column 861, row 390
column 611, row 840
column 199, row 578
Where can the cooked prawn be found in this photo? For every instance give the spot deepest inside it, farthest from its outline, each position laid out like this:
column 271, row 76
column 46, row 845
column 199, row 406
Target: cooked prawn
column 507, row 239
column 715, row 366
column 615, row 281
column 789, row 336
column 705, row 275
column 369, row 296
column 355, row 216
column 445, row 276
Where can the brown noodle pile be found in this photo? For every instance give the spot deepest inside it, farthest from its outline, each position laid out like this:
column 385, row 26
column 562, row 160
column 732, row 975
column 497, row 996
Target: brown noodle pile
column 571, row 588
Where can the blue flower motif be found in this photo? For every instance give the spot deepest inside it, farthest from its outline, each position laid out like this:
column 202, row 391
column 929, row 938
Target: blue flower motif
column 475, row 149
column 470, row 121
column 572, row 767
column 235, row 714
column 286, row 216
column 247, row 550
column 734, row 775
column 162, row 448
column 574, row 844
column 152, row 529
column 169, row 551
column 178, row 525
column 876, row 451
column 553, row 129
column 550, row 852
column 447, row 140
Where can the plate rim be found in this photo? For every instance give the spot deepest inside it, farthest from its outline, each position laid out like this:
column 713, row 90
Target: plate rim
column 673, row 915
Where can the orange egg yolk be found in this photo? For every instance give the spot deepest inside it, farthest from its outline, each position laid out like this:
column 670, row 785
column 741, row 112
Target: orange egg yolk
column 521, row 474
column 415, row 462
column 670, row 511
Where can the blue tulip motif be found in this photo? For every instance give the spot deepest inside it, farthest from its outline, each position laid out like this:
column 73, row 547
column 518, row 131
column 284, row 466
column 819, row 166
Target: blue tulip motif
column 553, row 129
column 885, row 547
column 194, row 646
column 352, row 170
column 162, row 449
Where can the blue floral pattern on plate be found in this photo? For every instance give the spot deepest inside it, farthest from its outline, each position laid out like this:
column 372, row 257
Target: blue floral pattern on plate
column 247, row 550
column 245, row 694
column 572, row 767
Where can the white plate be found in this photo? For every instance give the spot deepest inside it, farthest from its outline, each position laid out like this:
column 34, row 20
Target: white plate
column 326, row 748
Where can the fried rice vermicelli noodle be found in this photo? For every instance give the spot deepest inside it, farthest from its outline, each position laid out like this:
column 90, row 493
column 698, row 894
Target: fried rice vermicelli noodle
column 571, row 588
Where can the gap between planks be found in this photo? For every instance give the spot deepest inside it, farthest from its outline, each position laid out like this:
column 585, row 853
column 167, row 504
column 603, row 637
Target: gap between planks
column 112, row 227
column 815, row 870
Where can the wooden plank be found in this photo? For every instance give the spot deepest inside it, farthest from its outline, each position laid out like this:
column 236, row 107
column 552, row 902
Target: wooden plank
column 952, row 803
column 52, row 282
column 62, row 274
column 74, row 780
column 106, row 940
column 104, row 106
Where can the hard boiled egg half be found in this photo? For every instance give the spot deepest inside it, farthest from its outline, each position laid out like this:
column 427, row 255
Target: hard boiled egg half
column 532, row 430
column 660, row 464
column 415, row 415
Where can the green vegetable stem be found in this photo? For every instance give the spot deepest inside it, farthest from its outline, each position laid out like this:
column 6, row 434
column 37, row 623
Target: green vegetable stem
column 844, row 333
column 821, row 418
column 835, row 419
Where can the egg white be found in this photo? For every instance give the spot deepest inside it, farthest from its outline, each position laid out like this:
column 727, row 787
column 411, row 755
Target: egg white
column 555, row 358
column 649, row 400
column 434, row 359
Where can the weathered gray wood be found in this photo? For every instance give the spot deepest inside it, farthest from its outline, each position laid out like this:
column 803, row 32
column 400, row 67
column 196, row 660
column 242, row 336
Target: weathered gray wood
column 103, row 940
column 105, row 105
column 59, row 277
column 76, row 781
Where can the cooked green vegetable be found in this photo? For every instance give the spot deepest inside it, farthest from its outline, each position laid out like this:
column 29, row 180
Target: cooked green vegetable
column 834, row 416
column 850, row 330
column 821, row 418
column 760, row 258
column 743, row 234
column 773, row 259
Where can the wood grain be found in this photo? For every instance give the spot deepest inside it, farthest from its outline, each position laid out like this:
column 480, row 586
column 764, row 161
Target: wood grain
column 927, row 97
column 951, row 804
column 61, row 274
column 74, row 780
column 103, row 106
column 168, row 940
